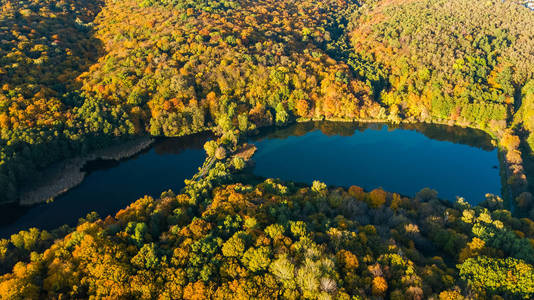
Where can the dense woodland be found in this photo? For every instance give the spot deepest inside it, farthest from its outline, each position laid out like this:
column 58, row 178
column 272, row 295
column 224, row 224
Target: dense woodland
column 79, row 75
column 44, row 117
column 450, row 60
column 223, row 239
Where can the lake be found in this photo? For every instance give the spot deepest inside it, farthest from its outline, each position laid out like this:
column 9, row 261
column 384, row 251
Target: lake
column 404, row 159
column 399, row 158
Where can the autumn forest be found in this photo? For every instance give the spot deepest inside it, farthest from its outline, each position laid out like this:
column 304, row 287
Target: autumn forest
column 82, row 77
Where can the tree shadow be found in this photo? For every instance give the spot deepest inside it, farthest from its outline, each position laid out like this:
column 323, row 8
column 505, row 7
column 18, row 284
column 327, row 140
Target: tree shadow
column 45, row 46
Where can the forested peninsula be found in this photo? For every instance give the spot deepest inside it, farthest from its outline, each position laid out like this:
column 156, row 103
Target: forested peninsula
column 80, row 77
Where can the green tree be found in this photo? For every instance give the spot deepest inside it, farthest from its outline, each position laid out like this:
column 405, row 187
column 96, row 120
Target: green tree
column 257, row 259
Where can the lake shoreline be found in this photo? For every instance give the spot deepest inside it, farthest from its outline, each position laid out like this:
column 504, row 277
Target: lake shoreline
column 110, row 185
column 492, row 134
column 65, row 175
column 508, row 193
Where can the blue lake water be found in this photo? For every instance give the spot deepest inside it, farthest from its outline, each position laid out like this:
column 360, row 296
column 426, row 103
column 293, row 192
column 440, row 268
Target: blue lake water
column 404, row 159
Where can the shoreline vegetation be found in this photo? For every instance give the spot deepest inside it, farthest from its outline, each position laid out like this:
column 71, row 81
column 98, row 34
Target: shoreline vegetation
column 197, row 72
column 220, row 236
column 78, row 75
column 65, row 175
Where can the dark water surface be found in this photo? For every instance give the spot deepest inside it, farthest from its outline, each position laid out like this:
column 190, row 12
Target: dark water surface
column 454, row 161
column 112, row 185
column 404, row 159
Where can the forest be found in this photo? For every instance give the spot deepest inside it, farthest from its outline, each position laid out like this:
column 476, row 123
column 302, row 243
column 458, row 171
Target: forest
column 80, row 75
column 222, row 238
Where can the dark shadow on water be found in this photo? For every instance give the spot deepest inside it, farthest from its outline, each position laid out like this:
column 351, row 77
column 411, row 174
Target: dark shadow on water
column 111, row 185
column 402, row 158
column 454, row 134
column 339, row 154
column 178, row 145
column 10, row 213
